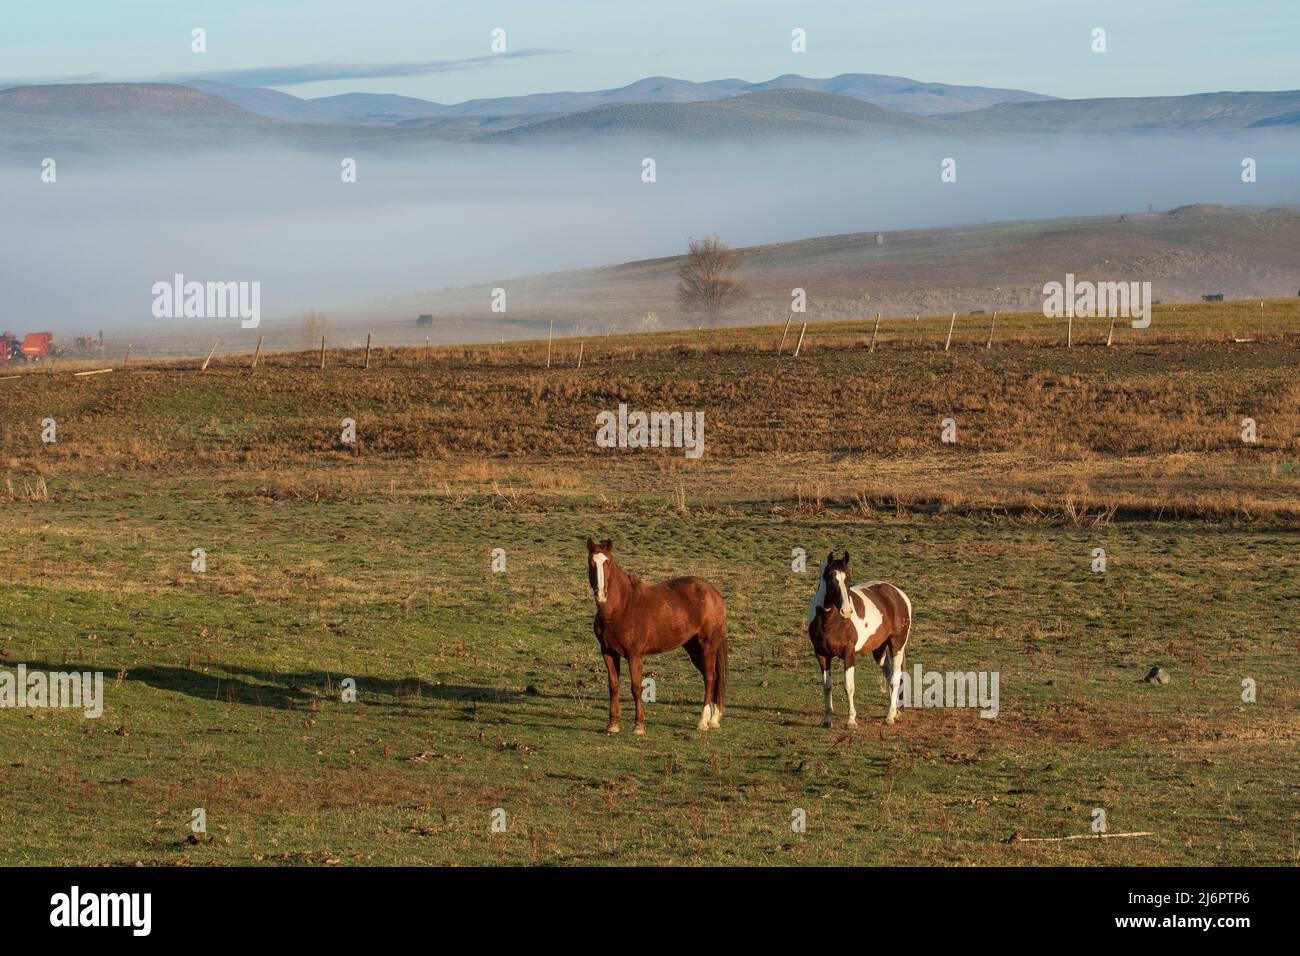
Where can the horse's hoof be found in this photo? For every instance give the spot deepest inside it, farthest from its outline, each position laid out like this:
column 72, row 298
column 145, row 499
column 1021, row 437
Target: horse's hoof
column 714, row 724
column 639, row 729
column 890, row 719
column 853, row 721
column 827, row 723
column 612, row 729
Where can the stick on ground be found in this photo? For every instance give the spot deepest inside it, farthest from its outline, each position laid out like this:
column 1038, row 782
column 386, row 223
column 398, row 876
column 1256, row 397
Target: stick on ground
column 1080, row 836
column 799, row 344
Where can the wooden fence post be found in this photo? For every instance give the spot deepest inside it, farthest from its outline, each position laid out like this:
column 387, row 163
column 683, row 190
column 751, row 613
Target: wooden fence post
column 989, row 343
column 874, row 332
column 1069, row 326
column 209, row 358
column 799, row 344
column 366, row 364
column 128, row 355
column 950, row 325
column 580, row 345
column 1111, row 334
column 549, row 336
column 257, row 354
column 788, row 320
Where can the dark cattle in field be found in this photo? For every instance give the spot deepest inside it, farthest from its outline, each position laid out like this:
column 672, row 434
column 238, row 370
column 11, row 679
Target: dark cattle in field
column 1215, row 297
column 424, row 320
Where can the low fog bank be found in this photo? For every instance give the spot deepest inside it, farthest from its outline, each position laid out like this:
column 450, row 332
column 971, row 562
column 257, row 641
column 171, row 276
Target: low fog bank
column 83, row 253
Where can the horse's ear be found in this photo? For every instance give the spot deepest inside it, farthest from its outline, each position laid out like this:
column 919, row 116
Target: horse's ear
column 830, row 556
column 591, row 546
column 846, row 557
column 607, row 545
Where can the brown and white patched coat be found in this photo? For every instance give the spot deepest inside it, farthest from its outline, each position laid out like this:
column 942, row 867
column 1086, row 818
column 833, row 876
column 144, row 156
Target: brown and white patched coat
column 847, row 620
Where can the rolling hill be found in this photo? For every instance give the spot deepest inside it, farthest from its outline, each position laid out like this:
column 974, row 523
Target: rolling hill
column 766, row 113
column 121, row 117
column 1185, row 253
column 101, row 102
column 1215, row 112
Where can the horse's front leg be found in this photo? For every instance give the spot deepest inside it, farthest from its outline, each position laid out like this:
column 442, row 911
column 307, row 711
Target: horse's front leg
column 611, row 664
column 635, row 668
column 826, row 687
column 849, row 669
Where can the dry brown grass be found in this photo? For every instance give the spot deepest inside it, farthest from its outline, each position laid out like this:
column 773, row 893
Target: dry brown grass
column 1076, row 436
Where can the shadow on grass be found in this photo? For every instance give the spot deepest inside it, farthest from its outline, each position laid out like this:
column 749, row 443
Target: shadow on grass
column 288, row 690
column 299, row 689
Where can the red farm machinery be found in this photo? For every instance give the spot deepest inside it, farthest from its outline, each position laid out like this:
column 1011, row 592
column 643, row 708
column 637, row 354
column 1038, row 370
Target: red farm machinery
column 33, row 347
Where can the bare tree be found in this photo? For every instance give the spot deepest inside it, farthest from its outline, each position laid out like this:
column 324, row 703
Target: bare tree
column 705, row 282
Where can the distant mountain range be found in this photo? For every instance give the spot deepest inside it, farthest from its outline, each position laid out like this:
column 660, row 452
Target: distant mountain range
column 98, row 116
column 892, row 92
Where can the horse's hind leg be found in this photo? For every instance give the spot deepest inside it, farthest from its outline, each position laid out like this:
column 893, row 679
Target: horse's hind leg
column 895, row 680
column 634, row 665
column 695, row 648
column 719, row 683
column 850, row 671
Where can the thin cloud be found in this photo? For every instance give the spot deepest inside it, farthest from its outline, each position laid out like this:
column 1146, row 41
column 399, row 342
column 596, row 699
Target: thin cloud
column 320, row 72
column 296, row 75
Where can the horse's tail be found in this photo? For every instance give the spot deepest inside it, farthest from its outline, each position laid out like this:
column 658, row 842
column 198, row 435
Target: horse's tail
column 720, row 677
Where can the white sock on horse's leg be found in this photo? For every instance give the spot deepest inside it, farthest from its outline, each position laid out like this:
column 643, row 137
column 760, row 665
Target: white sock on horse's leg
column 715, row 716
column 848, row 689
column 704, row 718
column 826, row 687
column 895, row 682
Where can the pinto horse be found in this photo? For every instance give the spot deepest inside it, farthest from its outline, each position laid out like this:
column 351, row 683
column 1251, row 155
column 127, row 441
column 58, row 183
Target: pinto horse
column 634, row 619
column 844, row 621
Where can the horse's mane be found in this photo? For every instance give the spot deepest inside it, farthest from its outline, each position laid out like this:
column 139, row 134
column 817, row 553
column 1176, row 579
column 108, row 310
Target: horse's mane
column 820, row 595
column 633, row 580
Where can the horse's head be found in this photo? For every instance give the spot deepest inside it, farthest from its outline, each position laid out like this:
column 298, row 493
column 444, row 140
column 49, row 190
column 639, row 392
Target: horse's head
column 835, row 580
column 600, row 557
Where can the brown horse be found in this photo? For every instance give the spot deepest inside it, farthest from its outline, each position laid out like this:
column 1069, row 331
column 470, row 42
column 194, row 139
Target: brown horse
column 634, row 619
column 845, row 621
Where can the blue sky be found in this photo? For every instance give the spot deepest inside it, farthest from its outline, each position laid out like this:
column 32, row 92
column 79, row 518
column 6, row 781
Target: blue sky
column 440, row 50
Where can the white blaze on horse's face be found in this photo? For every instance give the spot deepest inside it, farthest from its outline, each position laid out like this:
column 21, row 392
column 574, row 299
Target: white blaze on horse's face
column 846, row 605
column 599, row 560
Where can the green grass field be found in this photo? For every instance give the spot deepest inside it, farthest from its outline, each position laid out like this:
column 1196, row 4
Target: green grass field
column 479, row 690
